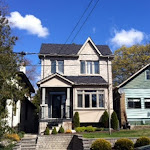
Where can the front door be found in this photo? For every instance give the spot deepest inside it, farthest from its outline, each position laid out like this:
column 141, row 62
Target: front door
column 56, row 106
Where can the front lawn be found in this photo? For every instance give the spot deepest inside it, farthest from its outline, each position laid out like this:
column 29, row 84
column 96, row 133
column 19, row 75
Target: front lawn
column 121, row 133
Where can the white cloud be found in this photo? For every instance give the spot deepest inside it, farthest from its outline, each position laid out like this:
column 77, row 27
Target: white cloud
column 29, row 23
column 127, row 38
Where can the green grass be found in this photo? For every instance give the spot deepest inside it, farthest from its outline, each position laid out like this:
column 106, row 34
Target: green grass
column 121, row 133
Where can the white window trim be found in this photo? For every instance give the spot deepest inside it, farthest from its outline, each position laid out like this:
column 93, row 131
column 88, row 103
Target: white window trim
column 93, row 67
column 135, row 100
column 98, row 91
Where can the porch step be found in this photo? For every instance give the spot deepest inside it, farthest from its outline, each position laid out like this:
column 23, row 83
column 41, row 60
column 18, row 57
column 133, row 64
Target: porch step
column 27, row 143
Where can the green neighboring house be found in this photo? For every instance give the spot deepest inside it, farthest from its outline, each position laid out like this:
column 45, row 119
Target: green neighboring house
column 132, row 98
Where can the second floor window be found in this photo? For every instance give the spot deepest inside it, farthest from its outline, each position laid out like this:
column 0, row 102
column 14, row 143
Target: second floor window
column 57, row 66
column 147, row 74
column 89, row 67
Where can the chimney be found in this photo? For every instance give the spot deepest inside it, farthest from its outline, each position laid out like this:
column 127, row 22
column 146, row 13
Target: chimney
column 23, row 68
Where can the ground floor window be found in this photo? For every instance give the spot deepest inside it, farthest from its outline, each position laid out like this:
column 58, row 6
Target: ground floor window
column 147, row 102
column 90, row 98
column 134, row 103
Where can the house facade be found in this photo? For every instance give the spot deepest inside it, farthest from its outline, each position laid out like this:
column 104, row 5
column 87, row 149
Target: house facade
column 22, row 115
column 75, row 78
column 132, row 98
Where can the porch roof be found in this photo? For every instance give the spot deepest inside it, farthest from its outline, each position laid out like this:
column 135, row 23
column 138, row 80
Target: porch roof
column 76, row 80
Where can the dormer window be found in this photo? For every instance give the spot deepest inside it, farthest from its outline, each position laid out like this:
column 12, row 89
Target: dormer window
column 57, row 66
column 89, row 67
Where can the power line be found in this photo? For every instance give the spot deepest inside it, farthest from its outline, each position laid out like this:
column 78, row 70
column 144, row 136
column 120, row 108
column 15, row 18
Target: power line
column 85, row 21
column 79, row 21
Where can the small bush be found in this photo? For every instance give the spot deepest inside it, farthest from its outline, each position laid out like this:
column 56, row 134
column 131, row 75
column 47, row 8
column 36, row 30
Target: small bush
column 13, row 136
column 124, row 144
column 21, row 134
column 101, row 144
column 76, row 120
column 68, row 131
column 114, row 121
column 61, row 130
column 99, row 129
column 54, row 131
column 105, row 119
column 80, row 129
column 46, row 132
column 142, row 141
column 90, row 129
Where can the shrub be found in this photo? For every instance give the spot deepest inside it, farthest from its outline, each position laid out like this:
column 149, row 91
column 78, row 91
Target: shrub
column 114, row 121
column 80, row 129
column 61, row 130
column 68, row 131
column 90, row 129
column 13, row 136
column 142, row 141
column 54, row 131
column 46, row 132
column 105, row 119
column 21, row 134
column 99, row 129
column 101, row 144
column 76, row 120
column 124, row 144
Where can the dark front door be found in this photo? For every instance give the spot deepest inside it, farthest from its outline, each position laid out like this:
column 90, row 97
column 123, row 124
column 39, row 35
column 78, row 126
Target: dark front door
column 56, row 106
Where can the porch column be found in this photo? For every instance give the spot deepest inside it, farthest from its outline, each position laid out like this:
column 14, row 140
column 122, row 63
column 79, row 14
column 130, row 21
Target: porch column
column 68, row 103
column 44, row 106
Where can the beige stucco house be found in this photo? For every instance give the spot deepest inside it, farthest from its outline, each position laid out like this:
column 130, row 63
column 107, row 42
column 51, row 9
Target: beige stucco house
column 74, row 78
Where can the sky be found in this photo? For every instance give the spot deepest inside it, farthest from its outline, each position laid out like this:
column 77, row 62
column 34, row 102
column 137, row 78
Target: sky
column 112, row 22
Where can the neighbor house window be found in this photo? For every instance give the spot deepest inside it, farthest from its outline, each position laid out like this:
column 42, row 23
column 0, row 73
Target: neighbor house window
column 147, row 102
column 147, row 74
column 57, row 66
column 90, row 98
column 134, row 103
column 89, row 67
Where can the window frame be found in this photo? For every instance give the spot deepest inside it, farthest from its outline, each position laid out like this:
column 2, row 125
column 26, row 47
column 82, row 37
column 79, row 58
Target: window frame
column 133, row 101
column 90, row 92
column 57, row 66
column 146, row 74
column 146, row 100
column 89, row 67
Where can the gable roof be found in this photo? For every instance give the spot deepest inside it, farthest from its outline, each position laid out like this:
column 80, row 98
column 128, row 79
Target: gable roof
column 77, row 80
column 71, row 49
column 133, row 76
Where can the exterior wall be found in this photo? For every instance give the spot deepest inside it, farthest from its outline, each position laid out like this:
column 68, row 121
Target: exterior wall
column 16, row 118
column 137, row 115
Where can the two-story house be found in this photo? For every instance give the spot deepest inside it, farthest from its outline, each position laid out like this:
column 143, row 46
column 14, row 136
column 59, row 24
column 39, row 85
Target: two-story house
column 132, row 98
column 75, row 78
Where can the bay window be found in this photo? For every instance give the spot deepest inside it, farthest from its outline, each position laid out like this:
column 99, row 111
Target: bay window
column 90, row 99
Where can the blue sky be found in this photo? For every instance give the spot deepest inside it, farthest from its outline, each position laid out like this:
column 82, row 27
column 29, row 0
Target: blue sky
column 113, row 22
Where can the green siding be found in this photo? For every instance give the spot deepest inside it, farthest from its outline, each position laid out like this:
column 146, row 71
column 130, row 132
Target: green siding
column 139, row 87
column 139, row 82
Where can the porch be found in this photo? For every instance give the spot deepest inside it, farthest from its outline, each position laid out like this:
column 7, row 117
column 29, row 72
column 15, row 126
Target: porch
column 56, row 103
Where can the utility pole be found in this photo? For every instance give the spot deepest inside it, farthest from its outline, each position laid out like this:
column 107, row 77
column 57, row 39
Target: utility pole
column 109, row 96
